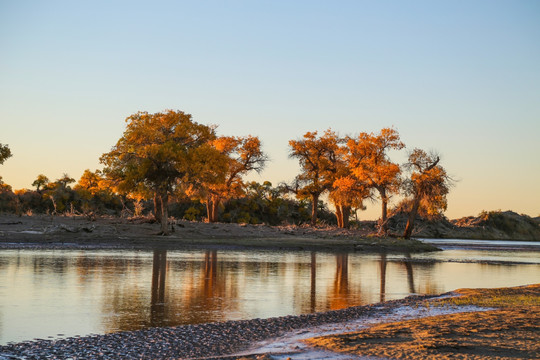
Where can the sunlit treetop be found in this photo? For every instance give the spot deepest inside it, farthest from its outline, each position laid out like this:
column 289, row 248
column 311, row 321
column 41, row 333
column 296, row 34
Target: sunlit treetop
column 369, row 158
column 228, row 159
column 428, row 180
column 155, row 150
column 348, row 191
column 317, row 156
column 370, row 164
column 93, row 182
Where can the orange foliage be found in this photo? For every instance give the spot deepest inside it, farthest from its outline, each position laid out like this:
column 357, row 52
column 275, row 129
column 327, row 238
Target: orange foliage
column 370, row 164
column 227, row 160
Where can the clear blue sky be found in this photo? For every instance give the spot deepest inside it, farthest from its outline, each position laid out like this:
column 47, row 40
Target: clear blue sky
column 460, row 77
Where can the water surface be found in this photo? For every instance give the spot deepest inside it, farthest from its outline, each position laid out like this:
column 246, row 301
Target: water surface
column 58, row 293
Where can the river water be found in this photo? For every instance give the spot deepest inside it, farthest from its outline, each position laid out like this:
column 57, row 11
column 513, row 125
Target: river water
column 52, row 294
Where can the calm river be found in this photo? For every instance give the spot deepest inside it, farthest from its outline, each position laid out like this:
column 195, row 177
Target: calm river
column 61, row 293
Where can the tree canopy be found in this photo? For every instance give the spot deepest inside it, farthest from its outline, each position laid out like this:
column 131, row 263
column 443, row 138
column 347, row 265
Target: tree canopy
column 371, row 165
column 157, row 152
column 318, row 157
column 224, row 168
column 40, row 182
column 428, row 183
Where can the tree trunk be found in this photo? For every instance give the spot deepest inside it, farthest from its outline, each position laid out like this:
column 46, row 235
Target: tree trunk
column 339, row 216
column 157, row 208
column 159, row 273
column 215, row 210
column 164, row 214
column 314, row 208
column 345, row 213
column 209, row 208
column 410, row 222
column 212, row 205
column 384, row 215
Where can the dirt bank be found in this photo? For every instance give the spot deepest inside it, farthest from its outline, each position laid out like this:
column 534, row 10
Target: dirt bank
column 108, row 232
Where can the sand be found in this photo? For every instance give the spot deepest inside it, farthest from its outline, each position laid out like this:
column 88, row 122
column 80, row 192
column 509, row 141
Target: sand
column 509, row 331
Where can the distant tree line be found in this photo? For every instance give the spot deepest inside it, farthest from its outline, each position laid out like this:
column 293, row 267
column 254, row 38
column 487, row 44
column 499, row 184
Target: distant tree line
column 91, row 195
column 165, row 164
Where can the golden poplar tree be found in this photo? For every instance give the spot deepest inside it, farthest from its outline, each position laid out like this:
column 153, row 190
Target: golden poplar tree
column 371, row 165
column 157, row 153
column 229, row 159
column 318, row 166
column 428, row 183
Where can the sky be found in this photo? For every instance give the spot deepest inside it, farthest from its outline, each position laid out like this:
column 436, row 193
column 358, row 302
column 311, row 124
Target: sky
column 458, row 77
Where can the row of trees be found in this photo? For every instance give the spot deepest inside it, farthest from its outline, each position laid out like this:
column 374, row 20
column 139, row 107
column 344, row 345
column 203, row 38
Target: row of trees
column 92, row 194
column 167, row 155
column 58, row 197
column 354, row 169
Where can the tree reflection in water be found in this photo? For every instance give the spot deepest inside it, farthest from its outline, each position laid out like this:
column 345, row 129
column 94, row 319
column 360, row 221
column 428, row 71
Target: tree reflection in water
column 340, row 293
column 407, row 263
column 313, row 287
column 159, row 274
column 410, row 278
column 204, row 290
column 382, row 270
column 210, row 274
column 81, row 292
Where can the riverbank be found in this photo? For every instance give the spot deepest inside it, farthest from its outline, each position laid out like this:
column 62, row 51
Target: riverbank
column 42, row 231
column 508, row 328
column 467, row 326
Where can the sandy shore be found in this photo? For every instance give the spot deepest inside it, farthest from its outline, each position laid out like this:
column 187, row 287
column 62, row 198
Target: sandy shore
column 508, row 329
column 141, row 233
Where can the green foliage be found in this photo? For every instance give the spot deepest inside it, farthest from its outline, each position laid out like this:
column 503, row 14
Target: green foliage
column 40, row 182
column 192, row 213
column 8, row 200
column 263, row 203
column 5, row 153
column 58, row 197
